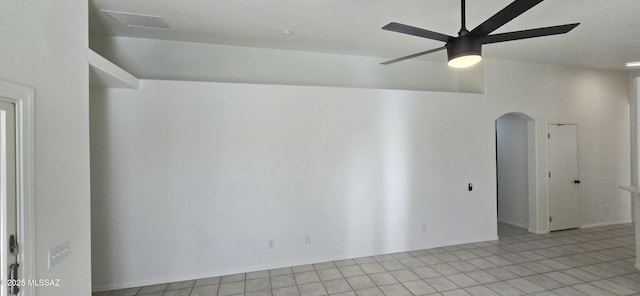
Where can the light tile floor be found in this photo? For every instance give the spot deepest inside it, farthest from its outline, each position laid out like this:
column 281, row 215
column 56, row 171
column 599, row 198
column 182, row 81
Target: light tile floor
column 594, row 262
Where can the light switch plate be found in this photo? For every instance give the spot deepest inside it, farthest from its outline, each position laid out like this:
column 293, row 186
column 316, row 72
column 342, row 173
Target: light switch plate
column 59, row 253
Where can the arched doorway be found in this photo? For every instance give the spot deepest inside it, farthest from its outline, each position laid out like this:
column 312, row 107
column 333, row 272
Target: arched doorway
column 515, row 168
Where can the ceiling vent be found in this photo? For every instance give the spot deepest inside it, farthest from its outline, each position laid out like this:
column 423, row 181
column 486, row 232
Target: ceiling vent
column 139, row 20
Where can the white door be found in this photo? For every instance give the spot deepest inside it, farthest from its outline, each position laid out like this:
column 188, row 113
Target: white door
column 562, row 162
column 8, row 201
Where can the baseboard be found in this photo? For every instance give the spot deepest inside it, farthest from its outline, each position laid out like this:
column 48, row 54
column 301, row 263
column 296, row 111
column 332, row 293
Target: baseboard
column 605, row 224
column 171, row 279
column 103, row 288
column 512, row 223
column 538, row 231
column 451, row 243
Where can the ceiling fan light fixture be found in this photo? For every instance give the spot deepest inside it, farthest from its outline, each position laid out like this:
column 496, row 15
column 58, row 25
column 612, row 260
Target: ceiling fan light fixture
column 465, row 51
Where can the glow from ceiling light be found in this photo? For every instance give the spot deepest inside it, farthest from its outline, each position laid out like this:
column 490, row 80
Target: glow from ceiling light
column 633, row 64
column 465, row 61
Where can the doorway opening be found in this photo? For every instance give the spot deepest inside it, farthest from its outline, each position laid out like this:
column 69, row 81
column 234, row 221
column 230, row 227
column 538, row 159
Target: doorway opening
column 516, row 173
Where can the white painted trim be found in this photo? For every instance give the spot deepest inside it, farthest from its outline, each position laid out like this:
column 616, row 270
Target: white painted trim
column 4, row 202
column 267, row 267
column 538, row 232
column 546, row 182
column 605, row 224
column 532, row 171
column 637, row 266
column 23, row 98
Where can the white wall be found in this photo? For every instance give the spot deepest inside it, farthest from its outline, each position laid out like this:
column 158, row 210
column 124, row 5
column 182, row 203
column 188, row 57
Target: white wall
column 191, row 179
column 44, row 46
column 202, row 175
column 513, row 170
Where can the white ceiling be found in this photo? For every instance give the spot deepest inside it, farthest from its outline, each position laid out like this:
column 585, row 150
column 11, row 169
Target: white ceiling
column 608, row 37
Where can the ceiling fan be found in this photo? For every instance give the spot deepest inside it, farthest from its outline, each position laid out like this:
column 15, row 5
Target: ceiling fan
column 466, row 49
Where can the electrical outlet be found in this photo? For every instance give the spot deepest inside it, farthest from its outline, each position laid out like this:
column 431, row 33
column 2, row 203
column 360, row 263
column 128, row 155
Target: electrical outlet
column 59, row 253
column 271, row 243
column 307, row 239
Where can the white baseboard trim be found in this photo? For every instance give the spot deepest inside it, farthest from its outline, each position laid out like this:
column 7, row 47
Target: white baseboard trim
column 539, row 231
column 513, row 223
column 109, row 287
column 600, row 224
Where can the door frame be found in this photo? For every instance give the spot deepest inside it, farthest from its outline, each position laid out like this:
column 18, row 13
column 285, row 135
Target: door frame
column 577, row 168
column 23, row 99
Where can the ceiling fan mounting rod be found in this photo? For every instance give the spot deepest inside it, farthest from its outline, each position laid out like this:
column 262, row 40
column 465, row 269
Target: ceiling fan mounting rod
column 464, row 22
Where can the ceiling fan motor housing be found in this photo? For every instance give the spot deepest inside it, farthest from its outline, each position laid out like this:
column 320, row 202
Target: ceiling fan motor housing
column 464, row 46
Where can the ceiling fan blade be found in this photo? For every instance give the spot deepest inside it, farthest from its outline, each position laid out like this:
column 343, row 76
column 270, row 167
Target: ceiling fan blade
column 505, row 15
column 413, row 56
column 406, row 29
column 524, row 34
